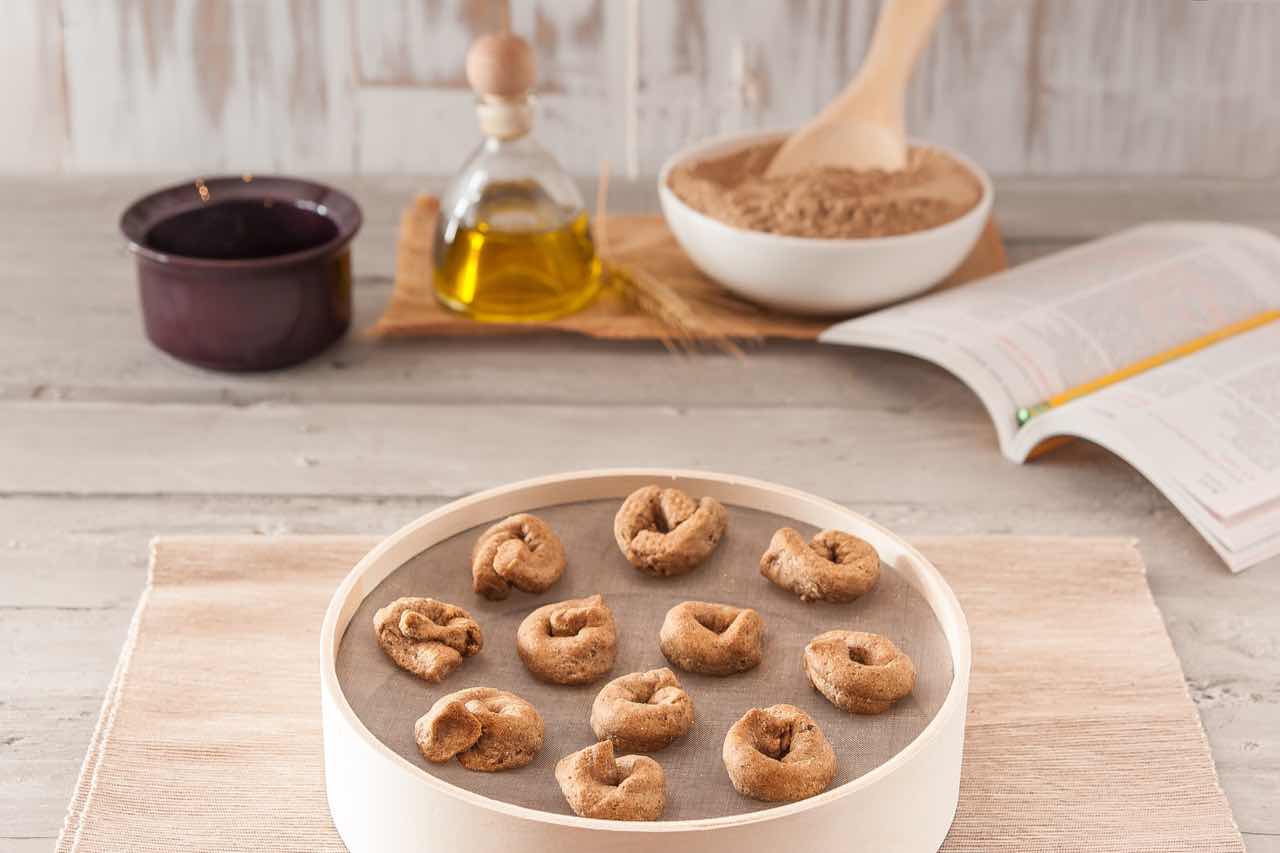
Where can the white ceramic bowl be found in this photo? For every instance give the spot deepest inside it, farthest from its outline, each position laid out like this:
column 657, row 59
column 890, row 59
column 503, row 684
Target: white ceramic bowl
column 380, row 801
column 808, row 275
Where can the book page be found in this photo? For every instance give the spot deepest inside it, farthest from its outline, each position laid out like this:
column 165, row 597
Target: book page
column 1213, row 418
column 1204, row 428
column 1061, row 321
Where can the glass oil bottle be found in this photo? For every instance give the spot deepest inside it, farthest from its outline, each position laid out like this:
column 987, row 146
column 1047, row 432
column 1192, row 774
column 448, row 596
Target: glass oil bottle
column 513, row 242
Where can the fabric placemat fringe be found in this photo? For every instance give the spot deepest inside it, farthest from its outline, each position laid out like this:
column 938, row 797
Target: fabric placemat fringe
column 1080, row 735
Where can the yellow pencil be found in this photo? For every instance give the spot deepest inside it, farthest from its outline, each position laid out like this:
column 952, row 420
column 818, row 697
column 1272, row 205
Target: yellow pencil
column 1026, row 414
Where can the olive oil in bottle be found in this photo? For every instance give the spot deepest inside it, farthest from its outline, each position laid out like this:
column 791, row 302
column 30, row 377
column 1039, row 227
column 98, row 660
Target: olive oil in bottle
column 513, row 241
column 521, row 259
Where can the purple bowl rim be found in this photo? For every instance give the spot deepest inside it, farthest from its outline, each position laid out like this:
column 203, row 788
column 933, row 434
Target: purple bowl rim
column 134, row 222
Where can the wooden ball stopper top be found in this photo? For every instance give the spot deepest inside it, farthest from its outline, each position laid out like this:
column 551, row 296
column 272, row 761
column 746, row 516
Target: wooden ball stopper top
column 501, row 64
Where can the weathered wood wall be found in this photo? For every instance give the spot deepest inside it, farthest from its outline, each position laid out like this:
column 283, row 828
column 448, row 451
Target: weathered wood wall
column 1046, row 87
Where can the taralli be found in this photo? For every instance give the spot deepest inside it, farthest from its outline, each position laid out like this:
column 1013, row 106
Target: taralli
column 833, row 566
column 642, row 711
column 778, row 755
column 521, row 551
column 859, row 672
column 596, row 784
column 485, row 728
column 664, row 532
column 713, row 639
column 569, row 642
column 427, row 637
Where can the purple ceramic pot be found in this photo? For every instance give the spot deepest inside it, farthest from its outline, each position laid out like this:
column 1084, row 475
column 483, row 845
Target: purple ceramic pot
column 244, row 273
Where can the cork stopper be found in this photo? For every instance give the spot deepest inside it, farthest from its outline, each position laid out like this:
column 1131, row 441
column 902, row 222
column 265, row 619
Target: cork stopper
column 501, row 70
column 501, row 65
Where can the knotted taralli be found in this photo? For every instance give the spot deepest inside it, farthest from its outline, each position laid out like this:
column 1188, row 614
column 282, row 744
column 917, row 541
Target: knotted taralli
column 427, row 637
column 596, row 784
column 712, row 639
column 778, row 755
column 485, row 728
column 642, row 711
column 859, row 672
column 521, row 551
column 834, row 566
column 569, row 642
column 664, row 532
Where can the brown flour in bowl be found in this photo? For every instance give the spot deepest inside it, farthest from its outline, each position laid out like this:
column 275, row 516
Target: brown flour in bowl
column 933, row 190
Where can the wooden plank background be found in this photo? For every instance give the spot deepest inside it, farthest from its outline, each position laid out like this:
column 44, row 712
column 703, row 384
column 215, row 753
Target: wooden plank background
column 1029, row 87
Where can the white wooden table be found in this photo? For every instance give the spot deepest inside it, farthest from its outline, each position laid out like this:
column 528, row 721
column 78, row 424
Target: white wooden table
column 105, row 443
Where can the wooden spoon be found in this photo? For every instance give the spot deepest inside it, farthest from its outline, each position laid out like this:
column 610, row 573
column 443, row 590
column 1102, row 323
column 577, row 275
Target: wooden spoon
column 863, row 127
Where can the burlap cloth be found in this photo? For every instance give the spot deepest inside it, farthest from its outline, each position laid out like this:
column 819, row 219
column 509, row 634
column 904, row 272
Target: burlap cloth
column 638, row 241
column 1080, row 735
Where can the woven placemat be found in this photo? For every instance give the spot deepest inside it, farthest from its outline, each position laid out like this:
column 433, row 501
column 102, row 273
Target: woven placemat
column 1080, row 734
column 642, row 242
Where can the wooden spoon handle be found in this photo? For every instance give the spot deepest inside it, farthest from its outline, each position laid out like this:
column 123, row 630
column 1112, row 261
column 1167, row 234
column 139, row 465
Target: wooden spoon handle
column 902, row 31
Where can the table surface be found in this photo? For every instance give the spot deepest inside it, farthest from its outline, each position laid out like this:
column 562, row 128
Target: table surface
column 105, row 443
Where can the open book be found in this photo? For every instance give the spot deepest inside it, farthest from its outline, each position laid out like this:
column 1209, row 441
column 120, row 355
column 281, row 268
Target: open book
column 1203, row 427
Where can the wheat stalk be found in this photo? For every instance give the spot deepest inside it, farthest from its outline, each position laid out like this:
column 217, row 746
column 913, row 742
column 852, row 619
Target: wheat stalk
column 684, row 327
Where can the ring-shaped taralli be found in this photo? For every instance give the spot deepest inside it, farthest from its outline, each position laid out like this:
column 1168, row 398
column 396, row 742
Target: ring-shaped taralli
column 597, row 784
column 858, row 672
column 834, row 566
column 778, row 755
column 428, row 638
column 486, row 729
column 521, row 551
column 569, row 642
column 642, row 711
column 664, row 532
column 712, row 639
